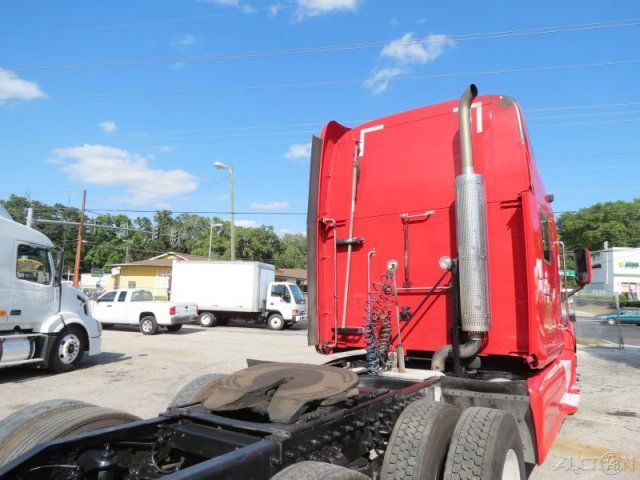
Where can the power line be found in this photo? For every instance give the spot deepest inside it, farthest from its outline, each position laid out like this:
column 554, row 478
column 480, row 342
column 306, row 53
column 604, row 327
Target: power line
column 573, row 124
column 574, row 107
column 135, row 24
column 201, row 212
column 582, row 115
column 148, row 136
column 332, row 83
column 339, row 48
column 588, row 155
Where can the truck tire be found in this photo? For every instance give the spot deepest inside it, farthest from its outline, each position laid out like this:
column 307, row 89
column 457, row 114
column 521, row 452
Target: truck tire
column 318, row 471
column 196, row 391
column 275, row 321
column 486, row 445
column 51, row 420
column 174, row 328
column 68, row 349
column 207, row 319
column 419, row 441
column 148, row 325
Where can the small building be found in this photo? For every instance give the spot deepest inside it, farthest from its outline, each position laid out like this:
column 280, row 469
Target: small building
column 616, row 270
column 293, row 275
column 153, row 274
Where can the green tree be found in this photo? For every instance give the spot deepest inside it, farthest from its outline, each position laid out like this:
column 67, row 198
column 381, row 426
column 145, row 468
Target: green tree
column 294, row 251
column 260, row 243
column 616, row 222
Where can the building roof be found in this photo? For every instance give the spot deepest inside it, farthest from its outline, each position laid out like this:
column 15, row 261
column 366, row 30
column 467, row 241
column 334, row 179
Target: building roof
column 163, row 260
column 298, row 273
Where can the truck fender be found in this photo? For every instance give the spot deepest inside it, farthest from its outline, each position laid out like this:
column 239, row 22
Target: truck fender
column 57, row 322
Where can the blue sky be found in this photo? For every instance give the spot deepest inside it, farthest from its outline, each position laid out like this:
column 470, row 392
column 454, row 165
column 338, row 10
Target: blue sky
column 145, row 135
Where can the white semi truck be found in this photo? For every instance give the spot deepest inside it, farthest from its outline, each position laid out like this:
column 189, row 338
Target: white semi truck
column 228, row 290
column 42, row 321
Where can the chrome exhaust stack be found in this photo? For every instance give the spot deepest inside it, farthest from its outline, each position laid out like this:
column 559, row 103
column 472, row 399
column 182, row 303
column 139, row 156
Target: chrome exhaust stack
column 471, row 233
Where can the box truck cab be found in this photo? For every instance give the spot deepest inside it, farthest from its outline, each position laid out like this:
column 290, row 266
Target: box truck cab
column 42, row 322
column 226, row 290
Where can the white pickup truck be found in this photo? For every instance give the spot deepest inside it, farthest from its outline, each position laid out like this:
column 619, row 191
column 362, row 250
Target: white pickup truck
column 137, row 307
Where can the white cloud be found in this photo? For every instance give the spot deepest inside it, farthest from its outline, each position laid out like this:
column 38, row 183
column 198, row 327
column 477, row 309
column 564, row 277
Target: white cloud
column 275, row 8
column 313, row 8
column 285, row 231
column 299, row 151
column 404, row 52
column 246, row 8
column 13, row 87
column 275, row 205
column 182, row 42
column 164, row 148
column 411, row 50
column 381, row 77
column 103, row 165
column 246, row 223
column 108, row 126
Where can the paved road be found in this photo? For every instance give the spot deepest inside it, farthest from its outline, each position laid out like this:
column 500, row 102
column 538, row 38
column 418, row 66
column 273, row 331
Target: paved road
column 141, row 374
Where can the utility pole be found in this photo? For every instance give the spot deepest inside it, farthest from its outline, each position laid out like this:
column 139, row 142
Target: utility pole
column 233, row 223
column 229, row 169
column 76, row 266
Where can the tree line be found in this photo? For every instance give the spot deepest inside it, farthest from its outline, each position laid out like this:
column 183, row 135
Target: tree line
column 183, row 233
column 616, row 222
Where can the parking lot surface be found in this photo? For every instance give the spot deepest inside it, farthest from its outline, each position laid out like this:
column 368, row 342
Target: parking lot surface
column 140, row 374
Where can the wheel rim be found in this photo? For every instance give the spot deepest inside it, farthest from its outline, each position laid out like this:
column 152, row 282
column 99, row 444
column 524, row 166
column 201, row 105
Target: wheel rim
column 147, row 326
column 206, row 319
column 511, row 467
column 276, row 322
column 69, row 348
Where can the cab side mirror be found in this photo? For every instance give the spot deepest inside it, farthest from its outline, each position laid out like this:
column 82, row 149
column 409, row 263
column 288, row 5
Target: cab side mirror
column 287, row 298
column 583, row 266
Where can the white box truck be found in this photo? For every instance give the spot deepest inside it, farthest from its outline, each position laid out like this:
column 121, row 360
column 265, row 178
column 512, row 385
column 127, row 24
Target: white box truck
column 225, row 290
column 42, row 321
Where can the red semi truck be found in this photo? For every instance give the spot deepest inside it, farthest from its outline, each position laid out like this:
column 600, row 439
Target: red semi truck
column 434, row 257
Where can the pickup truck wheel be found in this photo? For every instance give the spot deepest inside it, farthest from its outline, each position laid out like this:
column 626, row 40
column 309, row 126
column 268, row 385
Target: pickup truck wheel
column 68, row 349
column 174, row 328
column 318, row 471
column 51, row 420
column 419, row 441
column 148, row 325
column 207, row 319
column 275, row 321
column 486, row 445
column 197, row 390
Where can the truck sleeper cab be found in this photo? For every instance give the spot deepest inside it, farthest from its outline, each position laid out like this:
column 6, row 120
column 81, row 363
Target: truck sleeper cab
column 42, row 322
column 450, row 380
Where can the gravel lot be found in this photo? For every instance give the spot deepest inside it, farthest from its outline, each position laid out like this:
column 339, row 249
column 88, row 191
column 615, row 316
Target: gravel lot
column 141, row 374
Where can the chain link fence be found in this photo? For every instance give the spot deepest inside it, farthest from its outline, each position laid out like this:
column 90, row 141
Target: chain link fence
column 597, row 319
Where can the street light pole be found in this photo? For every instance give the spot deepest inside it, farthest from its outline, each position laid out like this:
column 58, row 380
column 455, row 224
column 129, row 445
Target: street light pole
column 229, row 169
column 233, row 223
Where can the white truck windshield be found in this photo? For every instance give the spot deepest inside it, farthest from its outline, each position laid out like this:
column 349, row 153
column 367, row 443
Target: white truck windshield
column 297, row 293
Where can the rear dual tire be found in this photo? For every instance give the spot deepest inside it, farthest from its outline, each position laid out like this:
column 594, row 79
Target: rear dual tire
column 309, row 470
column 417, row 449
column 485, row 445
column 51, row 420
